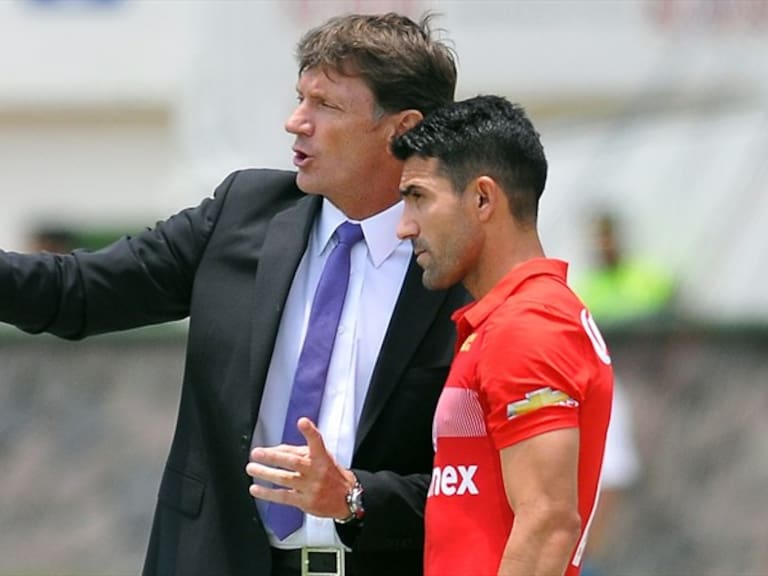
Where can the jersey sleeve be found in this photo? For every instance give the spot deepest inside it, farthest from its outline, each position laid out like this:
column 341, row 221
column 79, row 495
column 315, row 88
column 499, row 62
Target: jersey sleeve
column 531, row 373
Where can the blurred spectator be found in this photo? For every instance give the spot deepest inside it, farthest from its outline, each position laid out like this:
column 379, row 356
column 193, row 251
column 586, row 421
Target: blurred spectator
column 619, row 290
column 62, row 239
column 54, row 239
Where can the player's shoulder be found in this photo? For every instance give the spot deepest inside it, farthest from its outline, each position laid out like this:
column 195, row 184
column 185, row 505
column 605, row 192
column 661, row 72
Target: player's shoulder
column 542, row 311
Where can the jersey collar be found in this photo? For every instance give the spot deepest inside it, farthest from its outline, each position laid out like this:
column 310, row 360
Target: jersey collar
column 475, row 313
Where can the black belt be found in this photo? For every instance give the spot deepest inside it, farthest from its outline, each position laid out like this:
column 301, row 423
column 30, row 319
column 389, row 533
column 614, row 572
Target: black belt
column 312, row 561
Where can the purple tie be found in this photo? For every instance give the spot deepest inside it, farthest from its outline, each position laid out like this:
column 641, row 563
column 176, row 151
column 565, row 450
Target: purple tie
column 312, row 369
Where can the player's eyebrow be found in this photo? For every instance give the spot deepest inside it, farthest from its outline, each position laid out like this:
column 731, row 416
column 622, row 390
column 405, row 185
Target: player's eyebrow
column 410, row 189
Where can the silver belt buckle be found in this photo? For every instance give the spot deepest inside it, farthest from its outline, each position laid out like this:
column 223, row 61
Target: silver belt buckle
column 315, row 558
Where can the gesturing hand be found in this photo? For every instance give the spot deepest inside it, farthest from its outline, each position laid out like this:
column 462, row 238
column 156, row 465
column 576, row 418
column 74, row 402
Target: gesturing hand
column 309, row 476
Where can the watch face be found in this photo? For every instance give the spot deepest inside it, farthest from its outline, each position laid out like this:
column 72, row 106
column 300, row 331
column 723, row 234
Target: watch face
column 355, row 501
column 354, row 504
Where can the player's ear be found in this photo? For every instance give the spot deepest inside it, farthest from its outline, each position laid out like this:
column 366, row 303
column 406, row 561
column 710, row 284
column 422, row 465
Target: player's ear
column 487, row 196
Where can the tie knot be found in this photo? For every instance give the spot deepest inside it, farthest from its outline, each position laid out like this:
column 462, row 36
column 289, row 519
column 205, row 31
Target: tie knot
column 349, row 233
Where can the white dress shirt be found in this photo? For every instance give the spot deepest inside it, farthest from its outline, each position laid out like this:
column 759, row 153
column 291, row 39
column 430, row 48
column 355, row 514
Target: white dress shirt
column 377, row 270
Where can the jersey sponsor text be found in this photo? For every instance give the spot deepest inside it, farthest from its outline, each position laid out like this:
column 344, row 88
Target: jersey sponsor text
column 453, row 481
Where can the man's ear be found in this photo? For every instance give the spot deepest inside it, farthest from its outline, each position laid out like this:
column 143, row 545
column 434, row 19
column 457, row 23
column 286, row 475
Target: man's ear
column 406, row 119
column 487, row 197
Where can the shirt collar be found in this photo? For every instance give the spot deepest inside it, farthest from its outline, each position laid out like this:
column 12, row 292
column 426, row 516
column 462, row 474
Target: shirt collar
column 379, row 230
column 477, row 312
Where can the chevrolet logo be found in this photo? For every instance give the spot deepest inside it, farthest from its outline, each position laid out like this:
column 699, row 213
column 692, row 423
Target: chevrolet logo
column 535, row 400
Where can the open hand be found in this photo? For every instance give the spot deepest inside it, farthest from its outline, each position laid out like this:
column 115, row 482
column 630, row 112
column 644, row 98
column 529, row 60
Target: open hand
column 307, row 477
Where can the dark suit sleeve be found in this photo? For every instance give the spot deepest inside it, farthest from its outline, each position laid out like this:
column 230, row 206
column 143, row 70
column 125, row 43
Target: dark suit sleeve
column 136, row 281
column 394, row 522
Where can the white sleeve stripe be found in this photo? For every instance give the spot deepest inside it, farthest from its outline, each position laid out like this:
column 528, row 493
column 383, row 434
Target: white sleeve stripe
column 581, row 546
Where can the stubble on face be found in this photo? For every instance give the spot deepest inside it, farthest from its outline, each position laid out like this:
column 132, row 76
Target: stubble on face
column 438, row 222
column 447, row 261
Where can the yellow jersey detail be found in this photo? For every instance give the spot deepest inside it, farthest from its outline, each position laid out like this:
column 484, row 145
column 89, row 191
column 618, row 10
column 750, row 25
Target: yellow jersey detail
column 468, row 342
column 538, row 399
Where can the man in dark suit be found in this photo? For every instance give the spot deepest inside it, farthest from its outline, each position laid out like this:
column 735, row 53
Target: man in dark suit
column 243, row 266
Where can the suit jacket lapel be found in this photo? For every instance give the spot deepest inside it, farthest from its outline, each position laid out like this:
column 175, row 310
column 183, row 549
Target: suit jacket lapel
column 284, row 245
column 414, row 313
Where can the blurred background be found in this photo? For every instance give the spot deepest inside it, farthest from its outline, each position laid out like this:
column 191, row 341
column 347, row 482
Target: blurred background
column 654, row 115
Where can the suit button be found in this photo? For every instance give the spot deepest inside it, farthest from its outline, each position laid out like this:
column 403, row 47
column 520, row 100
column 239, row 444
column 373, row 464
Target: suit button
column 245, row 442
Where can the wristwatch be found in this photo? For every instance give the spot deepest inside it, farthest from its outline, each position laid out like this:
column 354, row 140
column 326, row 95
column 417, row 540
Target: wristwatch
column 355, row 504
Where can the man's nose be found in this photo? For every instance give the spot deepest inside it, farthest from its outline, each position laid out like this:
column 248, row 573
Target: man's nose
column 298, row 122
column 406, row 227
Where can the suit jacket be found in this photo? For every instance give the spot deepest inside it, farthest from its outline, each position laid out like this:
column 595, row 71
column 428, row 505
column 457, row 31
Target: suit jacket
column 228, row 264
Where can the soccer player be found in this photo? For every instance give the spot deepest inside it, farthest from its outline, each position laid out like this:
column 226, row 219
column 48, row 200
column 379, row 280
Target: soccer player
column 520, row 426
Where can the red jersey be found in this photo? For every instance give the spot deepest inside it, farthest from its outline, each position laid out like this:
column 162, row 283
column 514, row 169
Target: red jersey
column 529, row 360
